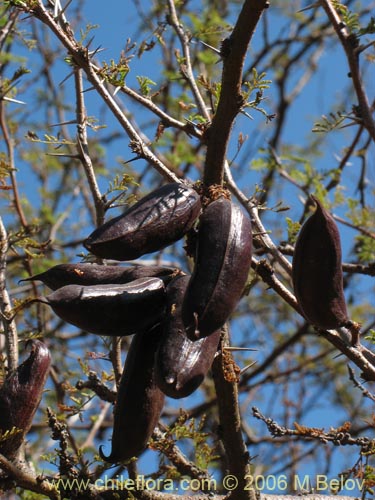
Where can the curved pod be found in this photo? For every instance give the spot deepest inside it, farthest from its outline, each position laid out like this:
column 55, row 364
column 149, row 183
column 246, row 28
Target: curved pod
column 223, row 259
column 95, row 274
column 20, row 396
column 110, row 309
column 154, row 222
column 317, row 271
column 139, row 400
column 181, row 363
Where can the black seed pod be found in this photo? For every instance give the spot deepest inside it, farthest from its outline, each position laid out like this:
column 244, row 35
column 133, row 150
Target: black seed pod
column 20, row 396
column 317, row 271
column 223, row 260
column 181, row 363
column 139, row 400
column 95, row 274
column 110, row 309
column 156, row 221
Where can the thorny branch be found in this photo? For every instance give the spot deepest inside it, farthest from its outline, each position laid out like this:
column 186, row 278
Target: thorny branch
column 352, row 51
column 338, row 437
column 82, row 59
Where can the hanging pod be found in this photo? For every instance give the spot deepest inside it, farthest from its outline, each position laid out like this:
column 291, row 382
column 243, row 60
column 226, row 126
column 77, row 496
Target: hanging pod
column 95, row 274
column 181, row 363
column 139, row 400
column 20, row 397
column 222, row 264
column 317, row 271
column 110, row 309
column 154, row 222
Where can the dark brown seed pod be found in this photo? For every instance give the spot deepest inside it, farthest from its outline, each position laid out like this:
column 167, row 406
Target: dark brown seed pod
column 181, row 363
column 139, row 400
column 110, row 309
column 20, row 396
column 95, row 274
column 317, row 271
column 156, row 221
column 222, row 264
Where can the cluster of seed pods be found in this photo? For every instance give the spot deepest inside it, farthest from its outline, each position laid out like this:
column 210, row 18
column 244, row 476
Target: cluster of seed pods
column 176, row 318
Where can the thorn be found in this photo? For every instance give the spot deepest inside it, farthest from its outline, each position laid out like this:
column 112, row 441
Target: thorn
column 246, row 114
column 211, row 47
column 117, row 89
column 311, row 6
column 90, row 42
column 13, row 100
column 66, row 6
column 66, row 78
column 88, row 90
column 243, row 370
column 230, row 348
column 93, row 53
column 66, row 155
column 132, row 159
column 70, row 122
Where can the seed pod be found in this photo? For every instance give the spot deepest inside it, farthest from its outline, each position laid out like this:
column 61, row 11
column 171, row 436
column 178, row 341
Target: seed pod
column 20, row 397
column 317, row 271
column 181, row 363
column 110, row 309
column 157, row 220
column 139, row 400
column 95, row 274
column 222, row 264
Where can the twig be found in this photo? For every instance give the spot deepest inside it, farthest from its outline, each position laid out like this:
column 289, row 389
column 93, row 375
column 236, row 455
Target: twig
column 352, row 50
column 83, row 150
column 10, row 329
column 187, row 68
column 339, row 436
column 178, row 459
column 357, row 383
column 27, row 481
column 82, row 59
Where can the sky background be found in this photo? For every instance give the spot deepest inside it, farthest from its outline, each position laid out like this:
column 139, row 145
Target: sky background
column 116, row 21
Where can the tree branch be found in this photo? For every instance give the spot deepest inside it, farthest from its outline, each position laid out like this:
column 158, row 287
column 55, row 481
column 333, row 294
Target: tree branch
column 352, row 50
column 233, row 52
column 238, row 459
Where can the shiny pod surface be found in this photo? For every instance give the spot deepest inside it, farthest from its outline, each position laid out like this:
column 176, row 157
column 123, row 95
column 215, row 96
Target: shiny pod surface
column 110, row 309
column 139, row 400
column 317, row 271
column 181, row 363
column 222, row 264
column 154, row 222
column 95, row 274
column 20, row 396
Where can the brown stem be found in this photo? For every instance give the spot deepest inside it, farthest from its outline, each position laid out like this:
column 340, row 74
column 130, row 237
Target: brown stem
column 352, row 51
column 238, row 459
column 231, row 99
column 83, row 149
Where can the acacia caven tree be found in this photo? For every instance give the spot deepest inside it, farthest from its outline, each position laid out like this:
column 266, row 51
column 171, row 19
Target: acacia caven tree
column 223, row 96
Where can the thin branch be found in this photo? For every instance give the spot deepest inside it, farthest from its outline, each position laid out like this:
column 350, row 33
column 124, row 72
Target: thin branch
column 83, row 149
column 82, row 59
column 352, row 50
column 187, row 67
column 28, row 482
column 10, row 329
